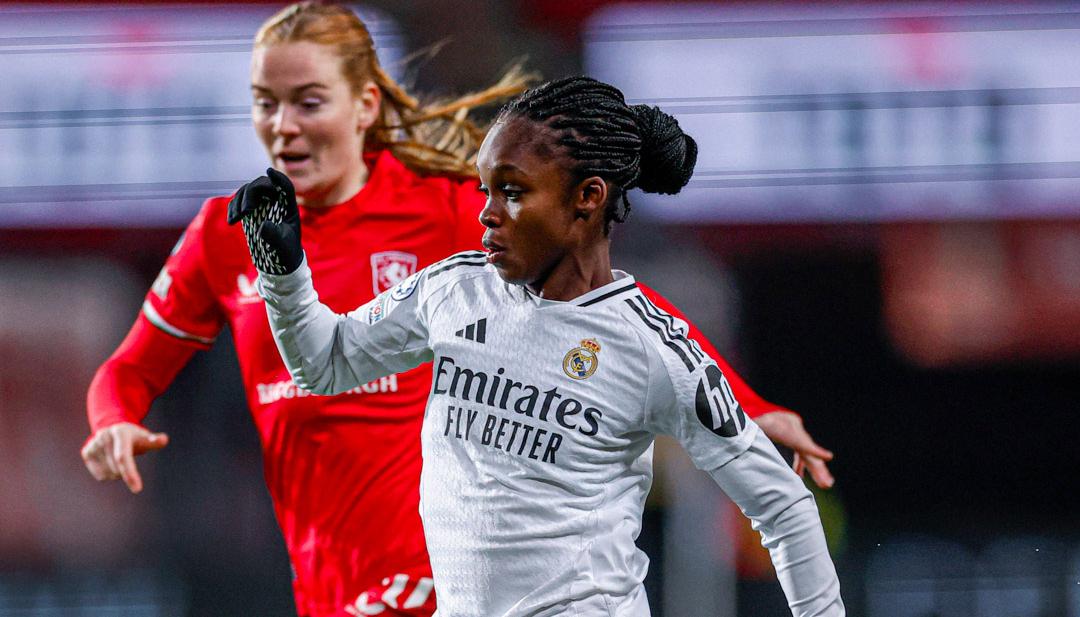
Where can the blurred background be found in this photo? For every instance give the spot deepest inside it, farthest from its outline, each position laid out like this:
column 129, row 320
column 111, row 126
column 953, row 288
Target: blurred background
column 883, row 233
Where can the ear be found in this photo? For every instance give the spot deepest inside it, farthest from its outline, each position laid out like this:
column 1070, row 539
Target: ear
column 589, row 198
column 367, row 104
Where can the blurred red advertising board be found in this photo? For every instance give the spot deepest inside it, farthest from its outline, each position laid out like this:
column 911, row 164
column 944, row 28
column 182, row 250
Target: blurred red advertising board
column 959, row 293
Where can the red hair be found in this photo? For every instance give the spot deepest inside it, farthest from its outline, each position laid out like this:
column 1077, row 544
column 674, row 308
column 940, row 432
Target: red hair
column 438, row 138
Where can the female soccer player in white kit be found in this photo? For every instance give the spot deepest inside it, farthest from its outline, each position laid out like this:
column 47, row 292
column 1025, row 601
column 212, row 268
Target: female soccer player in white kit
column 552, row 373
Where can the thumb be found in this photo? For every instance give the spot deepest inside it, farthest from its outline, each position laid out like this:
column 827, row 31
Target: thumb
column 150, row 441
column 236, row 206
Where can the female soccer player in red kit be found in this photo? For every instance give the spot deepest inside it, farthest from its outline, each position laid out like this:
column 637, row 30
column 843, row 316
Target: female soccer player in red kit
column 386, row 187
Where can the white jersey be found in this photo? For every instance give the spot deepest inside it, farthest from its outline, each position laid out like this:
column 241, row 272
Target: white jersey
column 537, row 439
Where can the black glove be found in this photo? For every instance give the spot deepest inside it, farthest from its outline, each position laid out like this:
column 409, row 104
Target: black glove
column 271, row 221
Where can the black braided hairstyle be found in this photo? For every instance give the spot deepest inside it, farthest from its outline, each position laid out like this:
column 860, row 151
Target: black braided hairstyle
column 629, row 146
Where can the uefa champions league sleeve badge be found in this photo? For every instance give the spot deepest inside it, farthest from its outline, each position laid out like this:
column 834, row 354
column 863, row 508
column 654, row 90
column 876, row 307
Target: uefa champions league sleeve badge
column 581, row 362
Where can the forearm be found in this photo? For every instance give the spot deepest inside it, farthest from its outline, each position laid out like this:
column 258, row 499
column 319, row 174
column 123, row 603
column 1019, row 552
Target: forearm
column 310, row 337
column 783, row 510
column 140, row 369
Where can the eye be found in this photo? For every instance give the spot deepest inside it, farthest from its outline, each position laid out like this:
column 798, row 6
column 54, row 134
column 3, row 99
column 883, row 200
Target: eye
column 512, row 193
column 263, row 103
column 311, row 104
column 484, row 190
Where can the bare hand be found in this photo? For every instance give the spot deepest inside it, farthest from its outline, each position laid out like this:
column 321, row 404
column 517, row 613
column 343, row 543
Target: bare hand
column 111, row 452
column 786, row 428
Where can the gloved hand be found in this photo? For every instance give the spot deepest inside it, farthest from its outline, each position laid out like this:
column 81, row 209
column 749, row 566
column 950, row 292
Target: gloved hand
column 271, row 221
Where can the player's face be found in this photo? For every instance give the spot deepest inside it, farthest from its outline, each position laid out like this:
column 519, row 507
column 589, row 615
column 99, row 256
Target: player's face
column 310, row 121
column 529, row 213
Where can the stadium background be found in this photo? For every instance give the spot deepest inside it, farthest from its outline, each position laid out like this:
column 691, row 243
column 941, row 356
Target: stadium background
column 883, row 234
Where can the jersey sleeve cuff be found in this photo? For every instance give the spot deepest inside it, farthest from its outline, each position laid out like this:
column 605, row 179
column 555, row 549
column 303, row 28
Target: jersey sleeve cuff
column 274, row 286
column 154, row 317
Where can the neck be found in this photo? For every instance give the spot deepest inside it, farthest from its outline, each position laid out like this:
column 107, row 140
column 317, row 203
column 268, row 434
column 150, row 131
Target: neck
column 339, row 193
column 577, row 273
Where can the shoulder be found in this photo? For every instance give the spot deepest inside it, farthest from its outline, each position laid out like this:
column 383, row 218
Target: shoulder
column 436, row 281
column 466, row 264
column 389, row 167
column 662, row 333
column 210, row 237
column 452, row 191
column 210, row 219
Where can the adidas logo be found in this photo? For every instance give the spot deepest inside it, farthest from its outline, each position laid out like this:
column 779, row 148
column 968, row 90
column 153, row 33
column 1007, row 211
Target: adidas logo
column 474, row 331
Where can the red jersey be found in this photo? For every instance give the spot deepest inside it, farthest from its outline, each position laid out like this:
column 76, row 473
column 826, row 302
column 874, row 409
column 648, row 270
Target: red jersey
column 343, row 471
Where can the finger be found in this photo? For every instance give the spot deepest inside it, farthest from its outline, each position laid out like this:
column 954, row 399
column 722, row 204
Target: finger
column 819, row 471
column 89, row 451
column 277, row 178
column 254, row 195
column 92, row 458
column 125, row 462
column 805, row 444
column 280, row 180
column 798, row 464
column 98, row 471
column 131, row 472
column 107, row 460
column 236, row 205
column 96, row 468
column 257, row 190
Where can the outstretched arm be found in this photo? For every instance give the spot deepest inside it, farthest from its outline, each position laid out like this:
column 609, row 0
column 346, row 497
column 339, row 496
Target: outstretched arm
column 140, row 369
column 180, row 316
column 783, row 511
column 693, row 402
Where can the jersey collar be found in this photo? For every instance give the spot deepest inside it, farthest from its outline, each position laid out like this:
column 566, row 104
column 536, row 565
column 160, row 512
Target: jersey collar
column 622, row 285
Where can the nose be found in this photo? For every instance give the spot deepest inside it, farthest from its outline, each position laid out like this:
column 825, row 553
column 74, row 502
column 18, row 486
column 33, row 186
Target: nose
column 490, row 216
column 285, row 121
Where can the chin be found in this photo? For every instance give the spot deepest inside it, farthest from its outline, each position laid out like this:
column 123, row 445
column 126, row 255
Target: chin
column 305, row 188
column 510, row 276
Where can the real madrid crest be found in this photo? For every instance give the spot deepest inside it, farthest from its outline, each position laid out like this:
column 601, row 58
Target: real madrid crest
column 581, row 362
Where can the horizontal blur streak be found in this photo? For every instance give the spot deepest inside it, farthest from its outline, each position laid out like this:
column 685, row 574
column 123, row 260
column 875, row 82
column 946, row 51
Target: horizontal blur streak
column 847, row 112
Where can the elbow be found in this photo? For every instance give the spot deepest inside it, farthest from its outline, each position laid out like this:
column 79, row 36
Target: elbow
column 795, row 517
column 320, row 385
column 319, row 378
column 322, row 389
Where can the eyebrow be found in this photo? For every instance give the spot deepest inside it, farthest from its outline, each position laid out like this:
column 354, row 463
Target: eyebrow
column 504, row 167
column 314, row 84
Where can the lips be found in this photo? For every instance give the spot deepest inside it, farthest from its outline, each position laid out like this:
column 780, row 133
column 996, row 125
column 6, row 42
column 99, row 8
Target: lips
column 293, row 160
column 496, row 251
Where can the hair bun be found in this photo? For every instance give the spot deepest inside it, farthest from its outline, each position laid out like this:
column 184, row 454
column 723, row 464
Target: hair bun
column 668, row 154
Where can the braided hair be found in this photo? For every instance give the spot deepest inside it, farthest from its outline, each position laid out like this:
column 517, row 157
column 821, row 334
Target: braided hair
column 629, row 146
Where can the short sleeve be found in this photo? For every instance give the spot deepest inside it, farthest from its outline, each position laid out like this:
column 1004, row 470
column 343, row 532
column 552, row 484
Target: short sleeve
column 690, row 399
column 181, row 302
column 468, row 202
